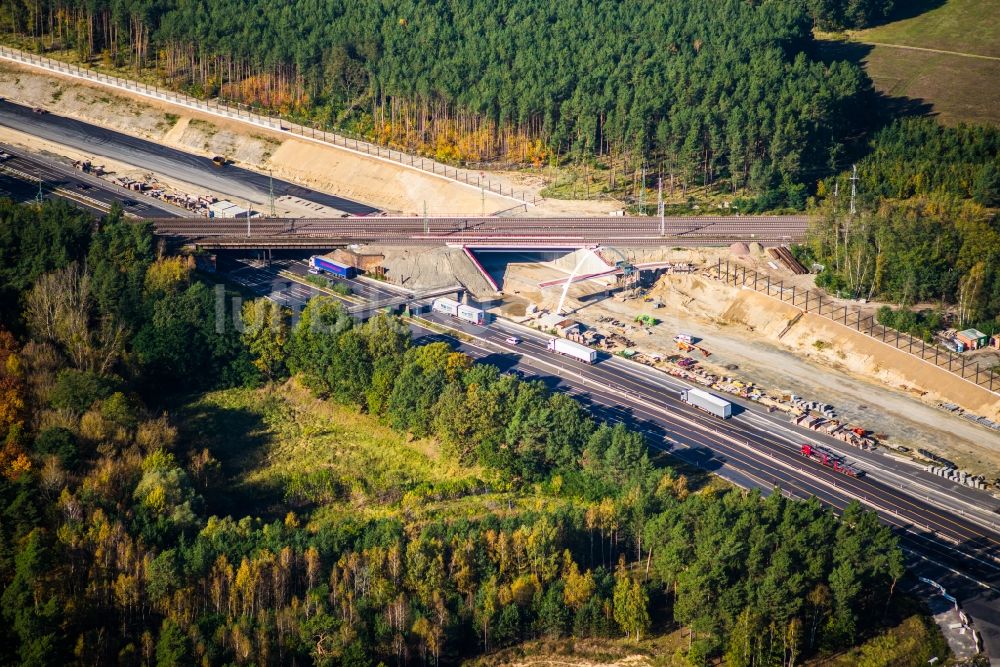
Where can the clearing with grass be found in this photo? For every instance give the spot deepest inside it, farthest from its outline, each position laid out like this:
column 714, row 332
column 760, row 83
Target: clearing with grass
column 281, row 447
column 945, row 55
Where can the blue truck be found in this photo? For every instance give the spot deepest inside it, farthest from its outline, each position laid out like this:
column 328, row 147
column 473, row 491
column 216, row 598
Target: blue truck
column 319, row 264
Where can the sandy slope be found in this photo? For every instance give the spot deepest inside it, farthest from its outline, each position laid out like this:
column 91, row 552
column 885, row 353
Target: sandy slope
column 382, row 184
column 870, row 384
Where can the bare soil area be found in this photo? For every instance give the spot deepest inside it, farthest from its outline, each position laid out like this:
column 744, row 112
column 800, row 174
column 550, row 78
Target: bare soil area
column 388, row 186
column 748, row 335
column 427, row 268
column 114, row 168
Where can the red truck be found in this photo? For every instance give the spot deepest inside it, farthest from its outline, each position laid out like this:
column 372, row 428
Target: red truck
column 830, row 460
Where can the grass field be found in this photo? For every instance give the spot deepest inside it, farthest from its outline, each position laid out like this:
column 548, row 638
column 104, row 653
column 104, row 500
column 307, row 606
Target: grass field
column 282, row 449
column 956, row 88
column 963, row 26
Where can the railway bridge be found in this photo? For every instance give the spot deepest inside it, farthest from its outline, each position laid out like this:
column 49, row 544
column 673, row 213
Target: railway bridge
column 472, row 232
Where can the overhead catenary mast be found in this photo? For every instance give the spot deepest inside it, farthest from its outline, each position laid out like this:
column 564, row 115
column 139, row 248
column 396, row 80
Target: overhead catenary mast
column 659, row 208
column 270, row 173
column 854, row 189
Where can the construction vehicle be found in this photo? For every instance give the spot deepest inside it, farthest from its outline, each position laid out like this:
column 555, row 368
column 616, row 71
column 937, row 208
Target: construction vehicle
column 691, row 347
column 831, row 460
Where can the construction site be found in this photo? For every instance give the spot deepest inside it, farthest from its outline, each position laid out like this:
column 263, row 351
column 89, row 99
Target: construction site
column 732, row 330
column 672, row 309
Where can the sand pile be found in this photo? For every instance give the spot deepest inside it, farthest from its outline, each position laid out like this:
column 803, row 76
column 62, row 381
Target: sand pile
column 739, row 249
column 427, row 268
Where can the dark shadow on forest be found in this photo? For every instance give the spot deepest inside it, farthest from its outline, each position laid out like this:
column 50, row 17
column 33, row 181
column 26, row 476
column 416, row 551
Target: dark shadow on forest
column 908, row 9
column 884, row 109
column 887, row 106
column 238, row 438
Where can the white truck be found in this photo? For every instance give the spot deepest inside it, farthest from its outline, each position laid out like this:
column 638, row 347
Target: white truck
column 571, row 349
column 459, row 310
column 710, row 403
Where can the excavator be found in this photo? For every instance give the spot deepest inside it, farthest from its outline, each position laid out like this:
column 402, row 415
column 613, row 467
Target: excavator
column 691, row 347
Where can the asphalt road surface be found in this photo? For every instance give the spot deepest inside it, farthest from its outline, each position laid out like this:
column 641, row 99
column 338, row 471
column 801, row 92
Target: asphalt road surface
column 99, row 142
column 948, row 534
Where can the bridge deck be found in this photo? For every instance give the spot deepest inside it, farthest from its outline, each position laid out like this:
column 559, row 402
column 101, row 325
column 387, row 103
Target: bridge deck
column 477, row 232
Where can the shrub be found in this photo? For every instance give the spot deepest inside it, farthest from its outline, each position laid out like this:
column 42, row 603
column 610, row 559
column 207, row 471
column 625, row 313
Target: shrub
column 59, row 442
column 78, row 390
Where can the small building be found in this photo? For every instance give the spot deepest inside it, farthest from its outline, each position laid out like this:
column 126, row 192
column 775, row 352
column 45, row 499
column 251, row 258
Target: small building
column 227, row 209
column 973, row 339
column 561, row 324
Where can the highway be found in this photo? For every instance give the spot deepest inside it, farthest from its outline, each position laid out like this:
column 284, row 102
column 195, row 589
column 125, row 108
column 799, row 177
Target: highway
column 21, row 173
column 949, row 537
column 241, row 184
column 488, row 232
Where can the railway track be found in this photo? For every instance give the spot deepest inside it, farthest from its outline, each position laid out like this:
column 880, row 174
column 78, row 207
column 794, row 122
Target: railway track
column 569, row 243
column 472, row 230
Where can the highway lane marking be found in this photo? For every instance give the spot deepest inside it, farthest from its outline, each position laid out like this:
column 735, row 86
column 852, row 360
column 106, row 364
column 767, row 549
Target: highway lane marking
column 613, row 406
column 835, row 495
column 981, row 584
column 912, row 482
column 786, row 483
column 762, row 440
column 860, row 493
column 653, row 410
column 886, row 490
column 713, row 436
column 892, row 517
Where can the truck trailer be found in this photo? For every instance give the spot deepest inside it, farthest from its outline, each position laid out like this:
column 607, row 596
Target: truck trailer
column 710, row 403
column 459, row 311
column 830, row 460
column 320, row 264
column 571, row 349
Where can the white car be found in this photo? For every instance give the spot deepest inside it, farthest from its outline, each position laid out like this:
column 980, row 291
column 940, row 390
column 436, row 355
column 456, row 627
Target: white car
column 513, row 340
